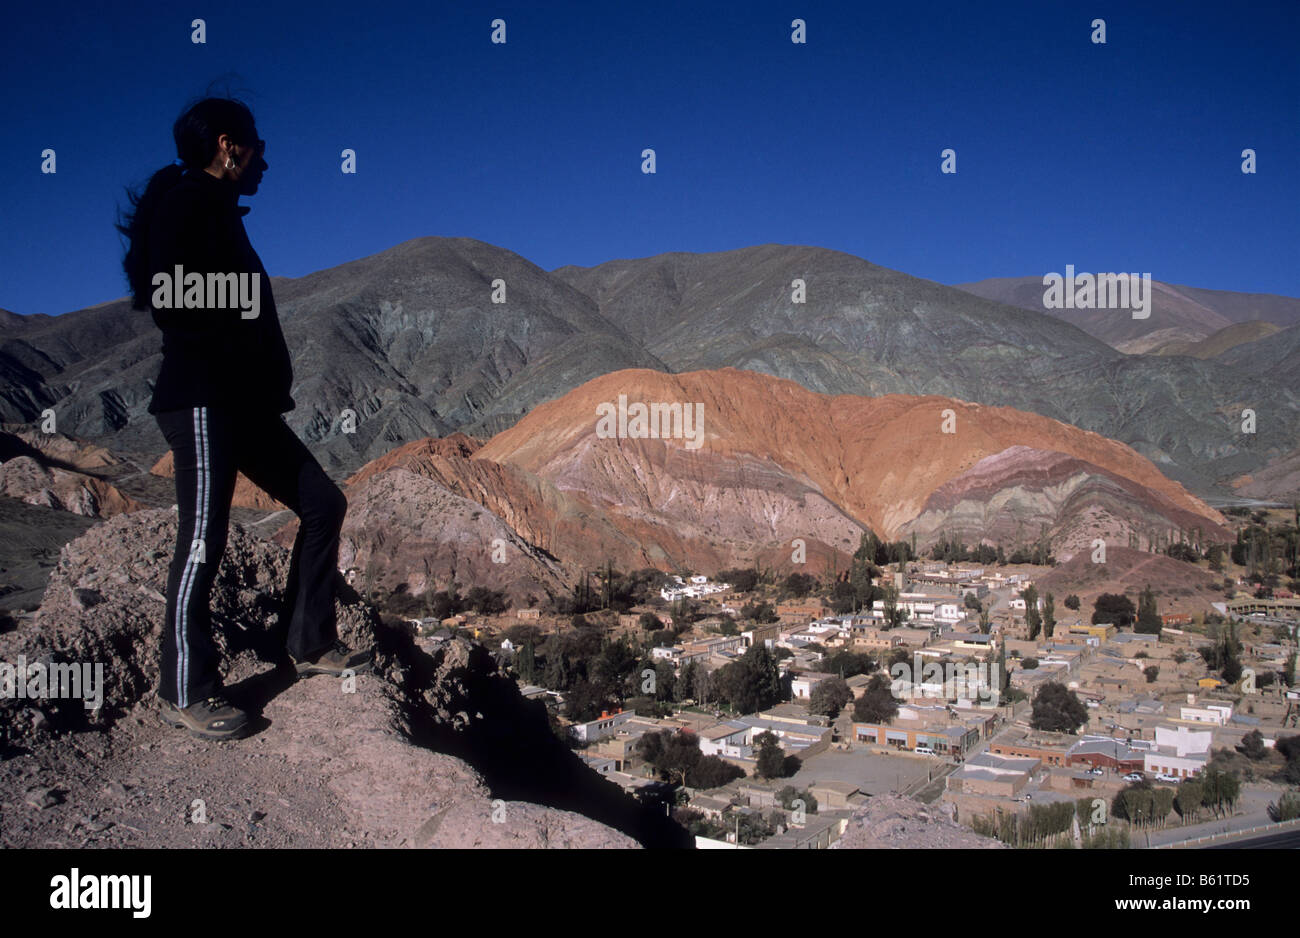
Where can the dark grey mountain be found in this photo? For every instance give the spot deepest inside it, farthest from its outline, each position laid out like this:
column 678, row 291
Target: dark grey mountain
column 408, row 339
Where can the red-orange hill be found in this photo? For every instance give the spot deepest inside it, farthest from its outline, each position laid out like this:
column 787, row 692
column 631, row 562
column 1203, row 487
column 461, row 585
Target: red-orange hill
column 879, row 458
column 584, row 498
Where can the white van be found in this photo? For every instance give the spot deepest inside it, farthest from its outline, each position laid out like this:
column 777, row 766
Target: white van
column 925, row 751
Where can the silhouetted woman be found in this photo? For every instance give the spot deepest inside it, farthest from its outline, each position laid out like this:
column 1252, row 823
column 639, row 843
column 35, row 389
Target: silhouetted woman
column 222, row 388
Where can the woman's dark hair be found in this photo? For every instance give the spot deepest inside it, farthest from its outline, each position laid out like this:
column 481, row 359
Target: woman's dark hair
column 196, row 132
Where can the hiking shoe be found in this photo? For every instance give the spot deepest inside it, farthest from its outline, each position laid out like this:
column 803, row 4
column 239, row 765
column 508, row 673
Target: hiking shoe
column 213, row 718
column 334, row 660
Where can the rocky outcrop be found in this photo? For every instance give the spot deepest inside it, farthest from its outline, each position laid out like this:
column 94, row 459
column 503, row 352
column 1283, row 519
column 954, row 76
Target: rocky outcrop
column 895, row 822
column 27, row 480
column 55, row 449
column 585, row 529
column 331, row 763
column 407, row 530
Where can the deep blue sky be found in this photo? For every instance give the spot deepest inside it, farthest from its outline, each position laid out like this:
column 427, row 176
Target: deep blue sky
column 1122, row 157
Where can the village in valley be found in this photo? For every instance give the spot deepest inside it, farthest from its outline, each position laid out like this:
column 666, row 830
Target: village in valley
column 1014, row 695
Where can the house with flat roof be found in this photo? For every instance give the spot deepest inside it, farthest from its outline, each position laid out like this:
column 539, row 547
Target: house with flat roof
column 796, row 739
column 937, row 728
column 790, row 712
column 835, row 794
column 728, row 739
column 1108, row 752
column 992, row 775
column 607, row 724
column 803, row 682
column 1218, row 713
column 1048, row 748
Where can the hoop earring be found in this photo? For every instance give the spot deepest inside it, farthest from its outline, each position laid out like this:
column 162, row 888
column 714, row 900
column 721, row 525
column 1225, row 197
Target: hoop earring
column 229, row 163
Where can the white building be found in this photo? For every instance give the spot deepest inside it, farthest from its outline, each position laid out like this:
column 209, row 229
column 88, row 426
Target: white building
column 1216, row 713
column 607, row 725
column 1183, row 740
column 1179, row 751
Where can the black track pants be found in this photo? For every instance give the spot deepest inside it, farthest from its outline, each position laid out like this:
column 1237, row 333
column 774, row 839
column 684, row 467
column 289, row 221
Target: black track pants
column 209, row 445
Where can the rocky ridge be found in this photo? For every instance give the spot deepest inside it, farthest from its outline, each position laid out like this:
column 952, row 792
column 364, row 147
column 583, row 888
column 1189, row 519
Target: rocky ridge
column 330, row 765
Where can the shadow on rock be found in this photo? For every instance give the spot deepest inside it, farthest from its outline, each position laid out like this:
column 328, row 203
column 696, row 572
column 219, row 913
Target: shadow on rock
column 464, row 706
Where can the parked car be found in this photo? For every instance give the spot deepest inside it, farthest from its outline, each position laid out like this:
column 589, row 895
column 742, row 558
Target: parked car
column 1134, row 777
column 1095, row 771
column 925, row 751
column 1164, row 777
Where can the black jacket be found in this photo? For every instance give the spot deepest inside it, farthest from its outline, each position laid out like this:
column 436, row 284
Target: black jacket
column 213, row 356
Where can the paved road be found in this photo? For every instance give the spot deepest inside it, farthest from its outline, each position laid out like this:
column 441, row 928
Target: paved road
column 1285, row 840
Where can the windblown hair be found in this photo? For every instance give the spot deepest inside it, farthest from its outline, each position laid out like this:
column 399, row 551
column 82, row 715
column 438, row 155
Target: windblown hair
column 196, row 132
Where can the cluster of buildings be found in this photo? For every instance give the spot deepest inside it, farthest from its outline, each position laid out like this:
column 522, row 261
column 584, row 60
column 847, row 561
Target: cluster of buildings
column 1153, row 712
column 696, row 588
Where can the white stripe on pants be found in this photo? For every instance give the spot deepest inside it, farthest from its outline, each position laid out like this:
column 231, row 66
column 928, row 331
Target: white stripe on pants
column 201, row 485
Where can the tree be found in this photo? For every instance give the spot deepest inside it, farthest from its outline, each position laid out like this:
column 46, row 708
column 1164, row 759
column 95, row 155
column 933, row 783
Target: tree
column 799, row 584
column 759, row 612
column 741, row 580
column 1151, row 672
column 894, row 615
column 1189, row 798
column 1072, row 602
column 1033, row 619
column 1221, row 789
column 1113, row 608
column 861, row 570
column 650, row 622
column 665, row 685
column 1148, row 618
column 485, row 601
column 751, row 684
column 877, row 703
column 842, row 598
column 712, row 772
column 672, row 754
column 771, row 757
column 787, row 795
column 1135, row 803
column 585, row 700
column 1049, row 615
column 613, row 666
column 1164, row 803
column 687, row 682
column 526, row 663
column 1057, row 709
column 847, row 663
column 1252, row 746
column 1231, row 667
column 829, row 697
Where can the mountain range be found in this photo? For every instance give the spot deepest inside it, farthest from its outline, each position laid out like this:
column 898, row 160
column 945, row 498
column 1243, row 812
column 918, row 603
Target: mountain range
column 411, row 342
